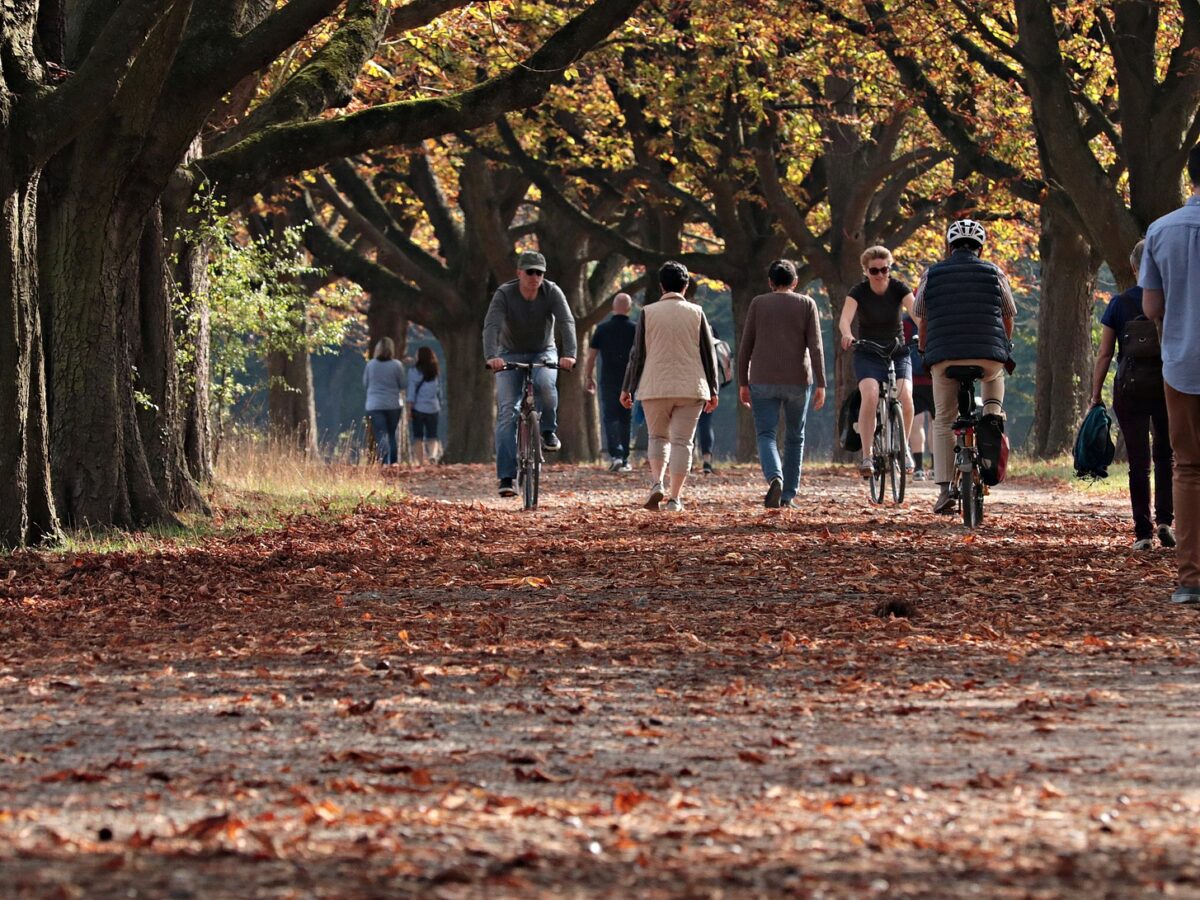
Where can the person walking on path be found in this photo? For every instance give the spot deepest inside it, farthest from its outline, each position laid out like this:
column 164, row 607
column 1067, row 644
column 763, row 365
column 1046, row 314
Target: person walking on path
column 520, row 326
column 612, row 342
column 673, row 372
column 424, row 404
column 964, row 315
column 878, row 302
column 1141, row 408
column 780, row 358
column 1170, row 280
column 383, row 378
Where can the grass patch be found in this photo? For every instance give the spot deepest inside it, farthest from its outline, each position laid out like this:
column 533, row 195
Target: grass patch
column 255, row 489
column 1061, row 469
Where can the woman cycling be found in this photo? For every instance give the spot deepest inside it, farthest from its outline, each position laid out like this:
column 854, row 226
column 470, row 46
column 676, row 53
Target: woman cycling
column 878, row 302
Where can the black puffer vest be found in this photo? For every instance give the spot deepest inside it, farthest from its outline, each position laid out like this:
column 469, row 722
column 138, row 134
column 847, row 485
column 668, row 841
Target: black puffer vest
column 963, row 317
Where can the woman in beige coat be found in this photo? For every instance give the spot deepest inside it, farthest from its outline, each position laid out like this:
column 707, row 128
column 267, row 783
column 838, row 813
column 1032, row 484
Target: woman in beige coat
column 673, row 371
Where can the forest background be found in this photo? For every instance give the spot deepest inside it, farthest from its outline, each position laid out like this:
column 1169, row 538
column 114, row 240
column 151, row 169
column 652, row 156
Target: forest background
column 196, row 193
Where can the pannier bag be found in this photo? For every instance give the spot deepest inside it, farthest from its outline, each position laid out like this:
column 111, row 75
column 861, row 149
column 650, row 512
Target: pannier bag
column 848, row 437
column 993, row 449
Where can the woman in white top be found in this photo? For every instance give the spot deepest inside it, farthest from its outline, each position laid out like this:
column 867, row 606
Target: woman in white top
column 673, row 372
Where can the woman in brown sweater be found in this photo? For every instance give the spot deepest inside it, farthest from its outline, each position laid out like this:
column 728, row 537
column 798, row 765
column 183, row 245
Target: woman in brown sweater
column 673, row 371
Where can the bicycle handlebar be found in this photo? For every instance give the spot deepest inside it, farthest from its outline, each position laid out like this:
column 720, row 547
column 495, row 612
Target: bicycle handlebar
column 510, row 366
column 884, row 350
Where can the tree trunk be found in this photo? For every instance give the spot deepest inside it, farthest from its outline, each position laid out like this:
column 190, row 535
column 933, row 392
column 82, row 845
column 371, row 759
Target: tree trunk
column 844, row 382
column 101, row 474
column 385, row 319
column 574, row 407
column 191, row 281
column 741, row 293
column 292, row 409
column 160, row 404
column 1064, row 346
column 27, row 512
column 470, row 394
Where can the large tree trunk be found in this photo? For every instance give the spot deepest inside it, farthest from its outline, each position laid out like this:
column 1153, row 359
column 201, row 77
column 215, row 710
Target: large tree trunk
column 1064, row 346
column 470, row 394
column 292, row 409
column 101, row 474
column 27, row 513
column 192, row 319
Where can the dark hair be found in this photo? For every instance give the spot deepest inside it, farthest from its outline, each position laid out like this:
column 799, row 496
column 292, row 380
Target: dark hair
column 673, row 276
column 427, row 363
column 782, row 273
column 1194, row 164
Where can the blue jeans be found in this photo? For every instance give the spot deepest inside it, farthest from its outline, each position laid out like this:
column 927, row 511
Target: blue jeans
column 767, row 401
column 508, row 405
column 618, row 422
column 384, row 423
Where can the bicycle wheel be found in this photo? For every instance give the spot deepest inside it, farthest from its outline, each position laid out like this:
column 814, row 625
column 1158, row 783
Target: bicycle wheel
column 972, row 499
column 879, row 458
column 533, row 462
column 896, row 472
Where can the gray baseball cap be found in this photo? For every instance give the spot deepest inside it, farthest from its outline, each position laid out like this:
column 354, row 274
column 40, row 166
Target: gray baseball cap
column 531, row 259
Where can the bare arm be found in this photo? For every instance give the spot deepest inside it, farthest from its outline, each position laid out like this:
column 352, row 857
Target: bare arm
column 1108, row 342
column 1154, row 305
column 849, row 308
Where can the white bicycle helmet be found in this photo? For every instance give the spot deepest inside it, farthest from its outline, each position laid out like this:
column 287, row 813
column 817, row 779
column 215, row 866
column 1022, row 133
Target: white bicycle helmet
column 966, row 230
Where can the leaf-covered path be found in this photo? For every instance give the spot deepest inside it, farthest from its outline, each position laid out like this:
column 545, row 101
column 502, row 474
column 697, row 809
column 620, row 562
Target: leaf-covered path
column 451, row 698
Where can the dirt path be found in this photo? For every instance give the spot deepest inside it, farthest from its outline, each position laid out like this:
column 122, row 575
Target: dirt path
column 450, row 698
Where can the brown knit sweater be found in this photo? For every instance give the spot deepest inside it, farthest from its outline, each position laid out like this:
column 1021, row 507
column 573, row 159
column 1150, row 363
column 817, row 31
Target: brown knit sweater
column 781, row 342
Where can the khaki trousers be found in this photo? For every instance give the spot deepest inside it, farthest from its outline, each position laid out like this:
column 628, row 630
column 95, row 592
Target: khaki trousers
column 1183, row 421
column 945, row 402
column 671, row 422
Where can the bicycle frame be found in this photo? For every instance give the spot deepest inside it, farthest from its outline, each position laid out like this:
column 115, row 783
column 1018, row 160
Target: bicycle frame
column 966, row 485
column 530, row 455
column 888, row 452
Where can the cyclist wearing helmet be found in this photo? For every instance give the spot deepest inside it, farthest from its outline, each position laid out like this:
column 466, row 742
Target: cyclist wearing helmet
column 964, row 316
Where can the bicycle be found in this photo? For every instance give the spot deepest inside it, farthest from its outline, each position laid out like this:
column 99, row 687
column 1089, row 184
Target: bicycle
column 529, row 435
column 888, row 457
column 966, row 481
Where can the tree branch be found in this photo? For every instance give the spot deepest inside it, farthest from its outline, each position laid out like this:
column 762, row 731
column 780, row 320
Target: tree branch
column 286, row 149
column 417, row 13
column 58, row 116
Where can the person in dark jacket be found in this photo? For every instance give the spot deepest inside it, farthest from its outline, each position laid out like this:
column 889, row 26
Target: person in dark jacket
column 964, row 315
column 1139, row 413
column 612, row 342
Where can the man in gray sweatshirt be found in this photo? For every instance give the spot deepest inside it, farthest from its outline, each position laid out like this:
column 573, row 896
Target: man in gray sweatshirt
column 520, row 326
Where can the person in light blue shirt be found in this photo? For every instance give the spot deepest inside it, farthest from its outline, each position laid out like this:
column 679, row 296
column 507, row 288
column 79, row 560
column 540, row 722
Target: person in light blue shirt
column 384, row 380
column 1170, row 281
column 424, row 404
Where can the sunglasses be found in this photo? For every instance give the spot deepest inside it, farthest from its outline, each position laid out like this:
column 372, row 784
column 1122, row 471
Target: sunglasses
column 532, row 272
column 879, row 270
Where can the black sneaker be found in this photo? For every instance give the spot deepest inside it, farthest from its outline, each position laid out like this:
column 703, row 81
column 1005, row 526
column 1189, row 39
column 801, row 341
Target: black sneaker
column 1166, row 535
column 506, row 488
column 708, row 469
column 550, row 442
column 774, row 492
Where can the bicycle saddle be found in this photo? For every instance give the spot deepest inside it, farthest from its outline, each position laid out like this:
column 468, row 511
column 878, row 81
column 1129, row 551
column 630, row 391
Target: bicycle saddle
column 964, row 373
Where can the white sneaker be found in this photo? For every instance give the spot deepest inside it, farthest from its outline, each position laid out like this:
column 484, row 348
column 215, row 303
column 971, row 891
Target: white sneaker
column 1143, row 544
column 655, row 498
column 674, row 505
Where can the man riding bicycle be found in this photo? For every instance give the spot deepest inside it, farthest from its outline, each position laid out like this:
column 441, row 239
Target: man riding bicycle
column 964, row 316
column 520, row 326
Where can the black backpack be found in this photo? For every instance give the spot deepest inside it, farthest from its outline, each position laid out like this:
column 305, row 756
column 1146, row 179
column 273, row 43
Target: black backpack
column 1139, row 373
